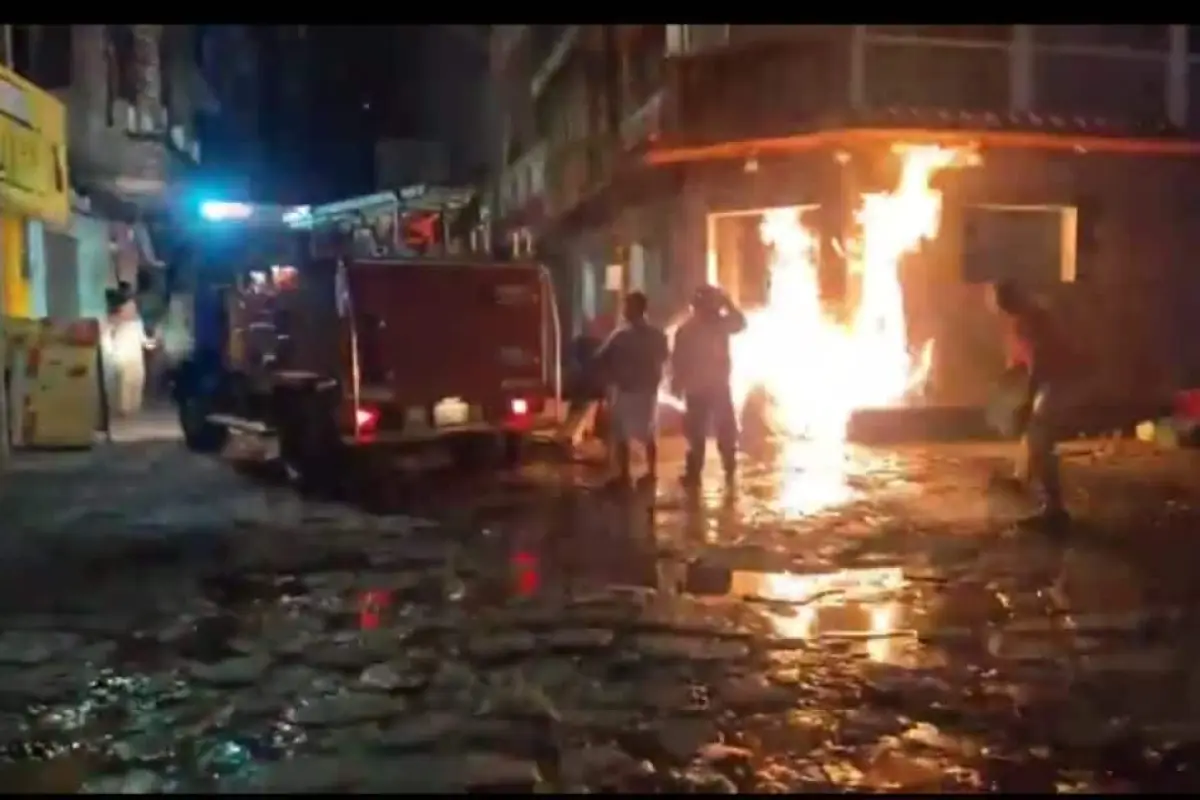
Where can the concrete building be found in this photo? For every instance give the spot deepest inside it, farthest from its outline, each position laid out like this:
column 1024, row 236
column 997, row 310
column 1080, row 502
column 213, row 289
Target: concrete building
column 647, row 147
column 131, row 94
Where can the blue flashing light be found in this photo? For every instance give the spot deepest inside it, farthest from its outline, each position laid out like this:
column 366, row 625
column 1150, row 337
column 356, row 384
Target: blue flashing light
column 220, row 211
column 298, row 216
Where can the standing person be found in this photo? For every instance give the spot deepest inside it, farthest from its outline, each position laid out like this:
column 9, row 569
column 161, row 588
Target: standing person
column 632, row 361
column 1036, row 343
column 585, row 393
column 127, row 344
column 700, row 373
column 176, row 340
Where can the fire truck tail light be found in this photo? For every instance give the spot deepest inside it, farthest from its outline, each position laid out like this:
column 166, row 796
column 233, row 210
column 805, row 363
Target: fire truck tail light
column 519, row 406
column 365, row 419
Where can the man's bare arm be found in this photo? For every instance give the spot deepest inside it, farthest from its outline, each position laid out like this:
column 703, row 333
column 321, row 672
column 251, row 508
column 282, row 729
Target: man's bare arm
column 679, row 357
column 664, row 348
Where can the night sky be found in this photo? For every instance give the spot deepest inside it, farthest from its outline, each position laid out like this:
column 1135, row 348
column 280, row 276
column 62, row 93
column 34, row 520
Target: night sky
column 357, row 84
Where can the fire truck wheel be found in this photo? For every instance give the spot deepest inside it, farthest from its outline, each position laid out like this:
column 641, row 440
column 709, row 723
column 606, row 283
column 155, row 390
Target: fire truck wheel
column 311, row 469
column 309, row 449
column 512, row 450
column 200, row 435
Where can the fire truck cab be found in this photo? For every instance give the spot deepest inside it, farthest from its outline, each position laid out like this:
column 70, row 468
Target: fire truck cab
column 365, row 326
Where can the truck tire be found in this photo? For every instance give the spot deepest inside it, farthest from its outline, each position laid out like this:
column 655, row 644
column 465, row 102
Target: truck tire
column 310, row 450
column 512, row 450
column 200, row 435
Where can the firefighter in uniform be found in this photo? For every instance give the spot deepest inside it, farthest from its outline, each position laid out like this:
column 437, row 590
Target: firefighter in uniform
column 700, row 374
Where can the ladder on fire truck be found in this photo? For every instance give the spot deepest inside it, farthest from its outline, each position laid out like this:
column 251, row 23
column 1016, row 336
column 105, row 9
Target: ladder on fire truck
column 413, row 221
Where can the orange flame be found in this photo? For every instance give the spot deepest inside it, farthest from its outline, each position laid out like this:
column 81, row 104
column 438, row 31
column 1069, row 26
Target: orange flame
column 817, row 369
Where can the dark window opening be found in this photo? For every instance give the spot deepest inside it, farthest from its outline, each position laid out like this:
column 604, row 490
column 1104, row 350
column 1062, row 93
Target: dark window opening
column 53, row 58
column 118, row 68
column 646, row 66
column 22, row 50
column 121, row 62
column 166, row 77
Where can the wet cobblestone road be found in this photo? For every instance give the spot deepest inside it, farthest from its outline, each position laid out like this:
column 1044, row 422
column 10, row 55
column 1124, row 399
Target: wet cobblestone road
column 871, row 623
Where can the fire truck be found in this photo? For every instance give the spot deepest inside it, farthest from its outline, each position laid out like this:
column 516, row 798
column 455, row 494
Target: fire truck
column 366, row 333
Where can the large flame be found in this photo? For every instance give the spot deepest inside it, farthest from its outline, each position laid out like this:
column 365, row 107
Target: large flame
column 816, row 369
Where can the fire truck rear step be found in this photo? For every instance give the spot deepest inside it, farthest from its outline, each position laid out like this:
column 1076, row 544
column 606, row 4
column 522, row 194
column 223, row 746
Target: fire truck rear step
column 240, row 424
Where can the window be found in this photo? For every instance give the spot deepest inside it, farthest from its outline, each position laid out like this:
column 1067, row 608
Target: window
column 120, row 53
column 166, row 76
column 42, row 54
column 53, row 57
column 646, row 68
column 676, row 40
column 937, row 76
column 22, row 49
column 1033, row 244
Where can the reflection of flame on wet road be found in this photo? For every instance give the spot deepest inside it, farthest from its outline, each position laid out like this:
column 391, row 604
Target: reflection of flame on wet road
column 832, row 605
column 812, row 477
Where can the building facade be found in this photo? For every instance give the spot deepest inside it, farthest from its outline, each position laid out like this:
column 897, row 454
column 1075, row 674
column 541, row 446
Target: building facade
column 131, row 95
column 648, row 139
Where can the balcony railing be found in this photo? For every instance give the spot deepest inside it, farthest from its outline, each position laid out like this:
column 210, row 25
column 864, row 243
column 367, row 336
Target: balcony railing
column 524, row 181
column 567, row 178
column 761, row 91
column 941, row 74
column 783, row 87
column 644, row 124
column 548, row 61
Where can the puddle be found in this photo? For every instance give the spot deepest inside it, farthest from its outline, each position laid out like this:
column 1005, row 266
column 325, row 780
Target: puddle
column 860, row 606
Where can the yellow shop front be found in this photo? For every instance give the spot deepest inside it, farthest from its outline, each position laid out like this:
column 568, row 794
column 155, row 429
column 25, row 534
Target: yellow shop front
column 33, row 180
column 33, row 186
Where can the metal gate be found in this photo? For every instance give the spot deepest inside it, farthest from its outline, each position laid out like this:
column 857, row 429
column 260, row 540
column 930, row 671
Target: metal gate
column 62, row 276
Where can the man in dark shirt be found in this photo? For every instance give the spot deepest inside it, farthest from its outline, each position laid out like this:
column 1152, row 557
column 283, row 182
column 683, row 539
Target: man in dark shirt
column 632, row 360
column 700, row 372
column 1038, row 345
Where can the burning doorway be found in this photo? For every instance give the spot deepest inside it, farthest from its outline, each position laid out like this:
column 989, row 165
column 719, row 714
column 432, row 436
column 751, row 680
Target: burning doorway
column 739, row 259
column 809, row 366
column 816, row 365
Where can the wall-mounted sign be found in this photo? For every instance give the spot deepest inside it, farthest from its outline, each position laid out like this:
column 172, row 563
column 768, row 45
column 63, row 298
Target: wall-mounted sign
column 33, row 157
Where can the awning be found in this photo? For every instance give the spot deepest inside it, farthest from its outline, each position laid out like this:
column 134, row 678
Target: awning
column 849, row 137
